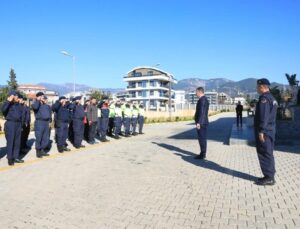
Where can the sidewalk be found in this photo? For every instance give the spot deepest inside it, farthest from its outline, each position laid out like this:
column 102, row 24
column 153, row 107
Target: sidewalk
column 152, row 181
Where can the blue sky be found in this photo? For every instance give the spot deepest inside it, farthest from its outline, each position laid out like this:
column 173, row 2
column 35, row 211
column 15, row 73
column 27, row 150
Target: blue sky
column 235, row 39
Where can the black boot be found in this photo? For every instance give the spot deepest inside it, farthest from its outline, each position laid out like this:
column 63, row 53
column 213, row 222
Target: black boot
column 43, row 153
column 60, row 149
column 11, row 162
column 38, row 153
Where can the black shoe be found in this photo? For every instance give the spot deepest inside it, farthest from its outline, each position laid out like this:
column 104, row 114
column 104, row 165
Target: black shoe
column 82, row 146
column 11, row 162
column 265, row 181
column 77, row 147
column 60, row 149
column 44, row 153
column 200, row 157
column 117, row 137
column 39, row 154
column 19, row 161
column 104, row 140
column 141, row 133
column 66, row 149
column 135, row 133
column 127, row 136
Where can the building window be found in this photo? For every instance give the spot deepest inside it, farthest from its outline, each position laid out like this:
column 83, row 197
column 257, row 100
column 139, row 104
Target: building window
column 151, row 93
column 140, row 94
column 150, row 73
column 139, row 84
column 153, row 83
column 137, row 74
column 144, row 83
column 144, row 93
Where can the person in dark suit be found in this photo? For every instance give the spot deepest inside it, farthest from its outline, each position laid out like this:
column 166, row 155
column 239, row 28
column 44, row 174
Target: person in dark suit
column 201, row 121
column 239, row 114
column 265, row 126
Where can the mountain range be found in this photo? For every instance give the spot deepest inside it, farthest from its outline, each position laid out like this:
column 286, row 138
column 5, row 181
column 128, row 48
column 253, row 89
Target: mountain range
column 66, row 88
column 233, row 88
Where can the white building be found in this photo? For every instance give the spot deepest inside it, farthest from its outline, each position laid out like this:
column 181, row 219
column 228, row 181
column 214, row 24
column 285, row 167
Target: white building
column 150, row 85
column 30, row 91
column 212, row 97
column 179, row 97
column 239, row 99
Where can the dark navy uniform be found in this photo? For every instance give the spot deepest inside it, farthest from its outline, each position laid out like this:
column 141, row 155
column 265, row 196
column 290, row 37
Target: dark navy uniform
column 26, row 119
column 12, row 112
column 77, row 123
column 62, row 120
column 43, row 118
column 103, row 122
column 264, row 123
column 201, row 117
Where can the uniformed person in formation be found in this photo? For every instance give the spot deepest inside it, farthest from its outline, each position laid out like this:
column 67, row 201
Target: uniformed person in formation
column 12, row 111
column 134, row 118
column 26, row 119
column 117, row 120
column 264, row 125
column 141, row 118
column 104, row 119
column 77, row 123
column 127, row 114
column 201, row 121
column 111, row 117
column 43, row 118
column 62, row 119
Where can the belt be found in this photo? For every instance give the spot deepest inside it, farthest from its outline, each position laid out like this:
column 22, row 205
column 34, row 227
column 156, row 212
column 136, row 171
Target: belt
column 10, row 120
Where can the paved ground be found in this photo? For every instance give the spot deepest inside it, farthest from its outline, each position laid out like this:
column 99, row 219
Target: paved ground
column 152, row 181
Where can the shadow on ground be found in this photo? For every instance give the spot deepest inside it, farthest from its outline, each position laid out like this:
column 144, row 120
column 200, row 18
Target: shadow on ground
column 189, row 157
column 218, row 130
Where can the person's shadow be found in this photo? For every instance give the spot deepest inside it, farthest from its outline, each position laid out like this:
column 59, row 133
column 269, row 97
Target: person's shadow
column 189, row 157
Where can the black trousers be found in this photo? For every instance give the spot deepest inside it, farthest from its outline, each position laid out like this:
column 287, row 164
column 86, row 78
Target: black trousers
column 77, row 131
column 202, row 139
column 42, row 134
column 239, row 119
column 265, row 155
column 92, row 131
column 13, row 139
column 24, row 135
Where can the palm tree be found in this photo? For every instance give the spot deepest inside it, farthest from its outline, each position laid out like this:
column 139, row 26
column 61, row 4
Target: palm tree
column 291, row 79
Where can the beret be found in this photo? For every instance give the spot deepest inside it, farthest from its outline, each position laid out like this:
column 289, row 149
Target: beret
column 62, row 97
column 39, row 94
column 263, row 81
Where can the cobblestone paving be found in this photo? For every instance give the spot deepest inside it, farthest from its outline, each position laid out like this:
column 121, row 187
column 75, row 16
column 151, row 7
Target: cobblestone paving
column 152, row 181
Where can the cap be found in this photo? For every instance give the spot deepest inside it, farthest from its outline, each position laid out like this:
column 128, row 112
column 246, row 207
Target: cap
column 62, row 97
column 12, row 92
column 39, row 94
column 263, row 81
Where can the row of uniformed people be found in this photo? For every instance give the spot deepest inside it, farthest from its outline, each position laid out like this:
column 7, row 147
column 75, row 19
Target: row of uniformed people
column 127, row 115
column 72, row 120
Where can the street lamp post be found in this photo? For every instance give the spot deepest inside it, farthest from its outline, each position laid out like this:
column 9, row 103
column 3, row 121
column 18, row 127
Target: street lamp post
column 73, row 60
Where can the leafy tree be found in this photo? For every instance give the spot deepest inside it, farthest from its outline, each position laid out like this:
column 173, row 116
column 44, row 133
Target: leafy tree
column 98, row 94
column 276, row 93
column 291, row 79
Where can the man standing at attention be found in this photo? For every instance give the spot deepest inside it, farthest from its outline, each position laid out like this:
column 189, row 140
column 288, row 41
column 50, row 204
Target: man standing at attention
column 264, row 126
column 239, row 114
column 201, row 121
